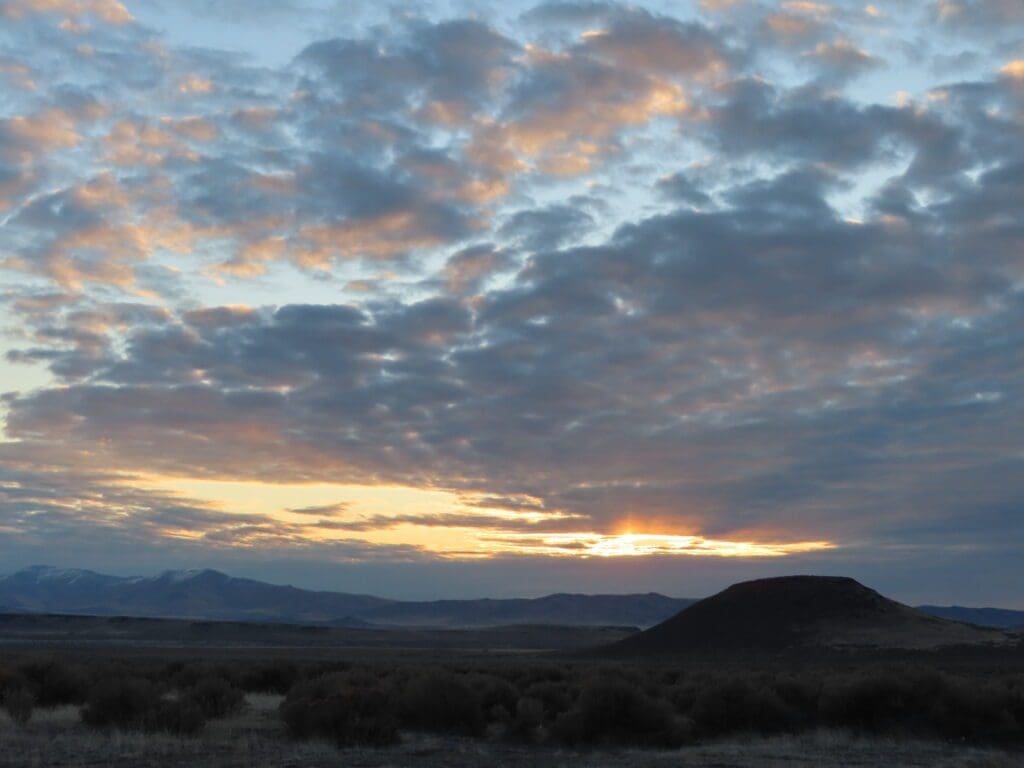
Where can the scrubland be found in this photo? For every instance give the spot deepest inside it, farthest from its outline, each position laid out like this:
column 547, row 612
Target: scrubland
column 79, row 710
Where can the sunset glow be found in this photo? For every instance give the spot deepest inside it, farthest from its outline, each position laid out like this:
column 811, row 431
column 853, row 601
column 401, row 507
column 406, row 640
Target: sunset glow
column 647, row 544
column 450, row 525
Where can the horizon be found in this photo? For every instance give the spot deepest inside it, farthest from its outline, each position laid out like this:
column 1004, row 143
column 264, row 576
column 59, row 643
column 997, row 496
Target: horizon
column 453, row 299
column 488, row 596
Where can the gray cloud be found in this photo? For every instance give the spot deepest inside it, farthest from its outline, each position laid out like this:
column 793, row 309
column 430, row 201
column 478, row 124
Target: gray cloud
column 547, row 228
column 452, row 62
column 979, row 13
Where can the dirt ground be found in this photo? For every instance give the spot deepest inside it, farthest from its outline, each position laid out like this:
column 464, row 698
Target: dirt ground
column 254, row 739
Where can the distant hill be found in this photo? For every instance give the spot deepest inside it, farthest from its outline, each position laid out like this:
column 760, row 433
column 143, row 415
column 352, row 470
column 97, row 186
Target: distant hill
column 1000, row 618
column 800, row 611
column 208, row 594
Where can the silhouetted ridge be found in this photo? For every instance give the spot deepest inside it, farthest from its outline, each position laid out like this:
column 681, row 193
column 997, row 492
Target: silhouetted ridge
column 210, row 594
column 999, row 618
column 793, row 611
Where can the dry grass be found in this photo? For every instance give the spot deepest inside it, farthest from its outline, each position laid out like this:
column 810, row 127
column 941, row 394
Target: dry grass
column 56, row 739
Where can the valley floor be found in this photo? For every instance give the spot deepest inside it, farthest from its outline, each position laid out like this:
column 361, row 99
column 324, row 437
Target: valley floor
column 254, row 739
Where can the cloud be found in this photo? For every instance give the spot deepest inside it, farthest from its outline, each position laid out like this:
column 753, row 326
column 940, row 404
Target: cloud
column 1013, row 70
column 109, row 11
column 841, row 60
column 679, row 186
column 573, row 361
column 79, row 234
column 329, row 510
column 565, row 117
column 647, row 43
column 342, row 167
column 813, row 125
column 796, row 22
column 24, row 137
column 588, row 268
column 232, row 10
column 979, row 13
column 93, row 516
column 547, row 228
column 445, row 69
column 467, row 271
column 568, row 11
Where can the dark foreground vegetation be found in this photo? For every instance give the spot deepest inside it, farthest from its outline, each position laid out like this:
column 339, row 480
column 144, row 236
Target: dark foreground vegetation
column 532, row 701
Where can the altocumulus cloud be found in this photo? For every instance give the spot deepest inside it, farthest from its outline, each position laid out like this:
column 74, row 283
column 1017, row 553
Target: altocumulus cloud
column 582, row 269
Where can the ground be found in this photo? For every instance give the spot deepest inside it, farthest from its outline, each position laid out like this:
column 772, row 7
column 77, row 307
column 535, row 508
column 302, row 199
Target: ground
column 254, row 739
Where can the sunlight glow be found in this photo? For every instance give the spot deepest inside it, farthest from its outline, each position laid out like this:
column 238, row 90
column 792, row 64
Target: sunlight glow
column 439, row 522
column 647, row 544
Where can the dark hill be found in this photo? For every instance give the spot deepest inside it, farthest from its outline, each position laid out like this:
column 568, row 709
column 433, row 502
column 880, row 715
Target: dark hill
column 800, row 611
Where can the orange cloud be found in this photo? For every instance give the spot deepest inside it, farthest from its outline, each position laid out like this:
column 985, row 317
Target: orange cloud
column 18, row 74
column 798, row 18
column 193, row 83
column 42, row 132
column 1013, row 70
column 451, row 181
column 718, row 5
column 786, row 25
column 122, row 229
column 252, row 258
column 255, row 117
column 109, row 11
column 133, row 142
column 74, row 26
column 194, row 128
column 378, row 237
column 656, row 49
column 570, row 137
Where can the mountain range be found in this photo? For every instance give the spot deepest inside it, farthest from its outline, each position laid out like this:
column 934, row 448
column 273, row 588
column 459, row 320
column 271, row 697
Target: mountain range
column 209, row 594
column 1000, row 618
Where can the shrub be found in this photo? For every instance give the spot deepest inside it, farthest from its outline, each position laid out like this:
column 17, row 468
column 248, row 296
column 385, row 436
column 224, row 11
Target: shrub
column 530, row 712
column 277, row 676
column 214, row 697
column 974, row 712
column 737, row 706
column 683, row 696
column 528, row 720
column 928, row 704
column 11, row 680
column 186, row 676
column 119, row 703
column 56, row 683
column 494, row 693
column 866, row 702
column 441, row 701
column 616, row 712
column 555, row 697
column 182, row 718
column 18, row 703
column 131, row 703
column 800, row 697
column 330, row 708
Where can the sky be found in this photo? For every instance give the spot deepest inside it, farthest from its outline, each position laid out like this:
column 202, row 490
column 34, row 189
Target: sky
column 466, row 298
